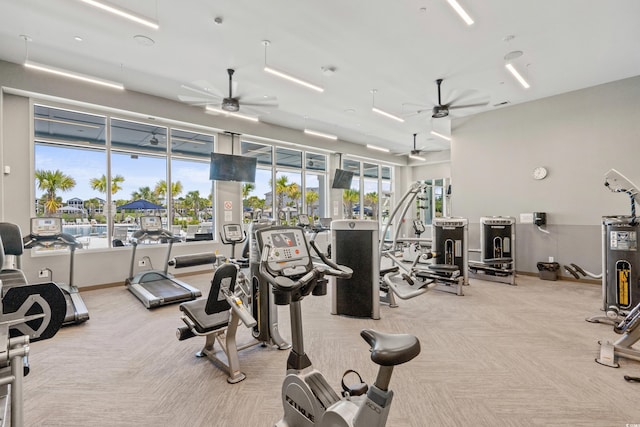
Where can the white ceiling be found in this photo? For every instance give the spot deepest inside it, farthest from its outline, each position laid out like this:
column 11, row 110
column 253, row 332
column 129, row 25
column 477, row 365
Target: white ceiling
column 399, row 48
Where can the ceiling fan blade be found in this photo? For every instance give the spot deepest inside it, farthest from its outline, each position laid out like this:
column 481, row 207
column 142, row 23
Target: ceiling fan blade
column 481, row 104
column 193, row 99
column 207, row 93
column 258, row 99
column 258, row 105
column 456, row 96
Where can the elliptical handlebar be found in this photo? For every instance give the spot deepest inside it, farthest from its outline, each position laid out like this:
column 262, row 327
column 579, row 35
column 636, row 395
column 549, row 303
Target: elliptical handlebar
column 286, row 284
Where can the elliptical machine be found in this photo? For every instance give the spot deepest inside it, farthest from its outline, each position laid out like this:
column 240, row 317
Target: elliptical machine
column 307, row 398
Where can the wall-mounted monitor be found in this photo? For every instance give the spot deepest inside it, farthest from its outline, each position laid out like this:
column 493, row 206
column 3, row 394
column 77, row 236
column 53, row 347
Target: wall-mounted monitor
column 342, row 179
column 227, row 167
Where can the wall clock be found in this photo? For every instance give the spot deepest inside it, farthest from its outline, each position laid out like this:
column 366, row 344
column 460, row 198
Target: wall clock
column 540, row 172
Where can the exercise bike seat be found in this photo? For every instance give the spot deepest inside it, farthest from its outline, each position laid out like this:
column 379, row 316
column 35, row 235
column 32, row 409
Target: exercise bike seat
column 391, row 349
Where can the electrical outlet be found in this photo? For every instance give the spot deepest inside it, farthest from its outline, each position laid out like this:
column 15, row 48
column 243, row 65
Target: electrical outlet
column 142, row 263
column 550, row 259
column 43, row 273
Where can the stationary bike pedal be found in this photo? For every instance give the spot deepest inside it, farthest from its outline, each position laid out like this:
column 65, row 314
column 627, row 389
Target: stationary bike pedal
column 356, row 389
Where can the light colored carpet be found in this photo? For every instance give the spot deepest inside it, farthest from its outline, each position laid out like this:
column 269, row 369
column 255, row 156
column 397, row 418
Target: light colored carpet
column 498, row 356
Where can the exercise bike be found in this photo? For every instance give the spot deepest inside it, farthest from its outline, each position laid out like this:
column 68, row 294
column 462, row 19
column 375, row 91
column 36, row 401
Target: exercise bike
column 307, row 398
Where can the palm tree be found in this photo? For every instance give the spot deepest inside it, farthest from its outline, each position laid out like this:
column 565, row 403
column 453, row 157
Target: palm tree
column 371, row 199
column 192, row 201
column 144, row 193
column 161, row 188
column 294, row 193
column 310, row 198
column 349, row 197
column 161, row 191
column 247, row 188
column 51, row 182
column 100, row 184
column 281, row 189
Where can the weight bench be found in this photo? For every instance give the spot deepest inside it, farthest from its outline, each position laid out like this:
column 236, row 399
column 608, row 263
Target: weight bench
column 217, row 318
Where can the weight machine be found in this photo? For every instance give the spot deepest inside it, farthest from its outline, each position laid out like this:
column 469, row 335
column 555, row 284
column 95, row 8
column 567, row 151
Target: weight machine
column 497, row 250
column 620, row 256
column 448, row 249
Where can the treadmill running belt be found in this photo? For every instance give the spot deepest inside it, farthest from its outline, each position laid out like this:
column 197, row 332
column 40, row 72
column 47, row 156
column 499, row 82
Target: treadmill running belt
column 166, row 289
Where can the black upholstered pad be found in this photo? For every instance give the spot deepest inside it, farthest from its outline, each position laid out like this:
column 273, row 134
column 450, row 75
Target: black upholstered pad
column 204, row 322
column 391, row 349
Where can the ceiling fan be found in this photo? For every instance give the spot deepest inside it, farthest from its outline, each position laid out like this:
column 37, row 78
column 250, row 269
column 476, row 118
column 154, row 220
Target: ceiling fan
column 442, row 110
column 416, row 151
column 229, row 103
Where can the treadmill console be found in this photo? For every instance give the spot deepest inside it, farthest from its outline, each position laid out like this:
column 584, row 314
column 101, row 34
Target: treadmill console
column 150, row 224
column 289, row 254
column 46, row 227
column 303, row 220
column 232, row 232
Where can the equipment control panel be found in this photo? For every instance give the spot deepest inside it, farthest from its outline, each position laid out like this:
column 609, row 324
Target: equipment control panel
column 150, row 223
column 232, row 232
column 289, row 254
column 46, row 227
column 303, row 219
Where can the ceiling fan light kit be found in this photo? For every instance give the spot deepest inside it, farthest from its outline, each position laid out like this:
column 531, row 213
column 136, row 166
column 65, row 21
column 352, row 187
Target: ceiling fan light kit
column 215, row 110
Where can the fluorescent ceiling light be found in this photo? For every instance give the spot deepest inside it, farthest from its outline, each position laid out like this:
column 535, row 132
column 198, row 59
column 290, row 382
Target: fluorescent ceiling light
column 77, row 76
column 293, row 79
column 375, row 147
column 125, row 14
column 384, row 113
column 460, row 11
column 320, row 134
column 517, row 75
column 441, row 135
column 229, row 113
column 413, row 156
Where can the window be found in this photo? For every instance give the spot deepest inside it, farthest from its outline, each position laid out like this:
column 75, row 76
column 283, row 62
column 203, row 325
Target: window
column 295, row 184
column 370, row 181
column 89, row 166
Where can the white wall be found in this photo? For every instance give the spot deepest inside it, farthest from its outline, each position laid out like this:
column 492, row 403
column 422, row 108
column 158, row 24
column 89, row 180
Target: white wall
column 578, row 136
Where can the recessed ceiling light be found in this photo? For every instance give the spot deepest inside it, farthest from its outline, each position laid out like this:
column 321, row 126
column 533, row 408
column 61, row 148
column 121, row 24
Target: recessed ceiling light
column 144, row 40
column 389, row 115
column 413, row 156
column 78, row 38
column 439, row 135
column 513, row 55
column 320, row 134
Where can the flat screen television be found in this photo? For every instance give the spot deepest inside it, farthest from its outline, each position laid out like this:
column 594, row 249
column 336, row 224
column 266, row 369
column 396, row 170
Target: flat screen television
column 227, row 167
column 342, row 179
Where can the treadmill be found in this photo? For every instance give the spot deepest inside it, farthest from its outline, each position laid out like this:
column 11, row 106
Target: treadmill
column 155, row 288
column 47, row 233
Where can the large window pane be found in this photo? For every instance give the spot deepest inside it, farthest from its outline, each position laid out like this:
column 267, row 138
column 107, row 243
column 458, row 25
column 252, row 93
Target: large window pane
column 288, row 196
column 138, row 160
column 264, row 153
column 70, row 171
column 316, row 162
column 258, row 196
column 190, row 161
